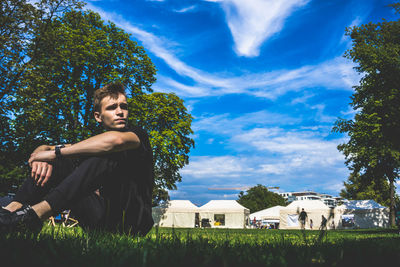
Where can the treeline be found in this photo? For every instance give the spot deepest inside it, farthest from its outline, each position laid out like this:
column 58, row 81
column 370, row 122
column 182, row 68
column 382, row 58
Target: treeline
column 53, row 56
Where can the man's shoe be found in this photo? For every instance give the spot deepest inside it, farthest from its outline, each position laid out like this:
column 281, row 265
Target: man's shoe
column 21, row 220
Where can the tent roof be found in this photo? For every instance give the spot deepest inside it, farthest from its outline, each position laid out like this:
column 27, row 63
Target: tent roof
column 270, row 212
column 178, row 206
column 307, row 204
column 360, row 204
column 223, row 205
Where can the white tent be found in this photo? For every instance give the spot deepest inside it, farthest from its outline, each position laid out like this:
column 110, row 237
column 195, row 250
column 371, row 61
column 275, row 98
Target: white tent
column 225, row 214
column 268, row 216
column 362, row 214
column 288, row 216
column 175, row 213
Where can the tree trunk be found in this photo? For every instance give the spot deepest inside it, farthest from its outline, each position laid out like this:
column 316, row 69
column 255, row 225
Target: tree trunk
column 392, row 214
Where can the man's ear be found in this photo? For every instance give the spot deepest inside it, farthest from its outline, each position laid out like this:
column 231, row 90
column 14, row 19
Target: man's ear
column 97, row 117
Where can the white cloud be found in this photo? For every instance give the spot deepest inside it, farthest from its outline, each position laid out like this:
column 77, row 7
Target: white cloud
column 224, row 124
column 300, row 146
column 158, row 47
column 332, row 186
column 272, row 149
column 167, row 84
column 185, row 9
column 268, row 155
column 320, row 116
column 302, row 100
column 337, row 73
column 253, row 21
column 321, row 167
column 271, row 169
column 350, row 112
column 211, row 166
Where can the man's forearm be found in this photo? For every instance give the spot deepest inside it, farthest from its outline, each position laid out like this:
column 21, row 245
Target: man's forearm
column 43, row 148
column 47, row 148
column 104, row 143
column 108, row 142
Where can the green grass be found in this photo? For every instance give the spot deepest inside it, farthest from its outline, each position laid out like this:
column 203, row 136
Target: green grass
column 57, row 246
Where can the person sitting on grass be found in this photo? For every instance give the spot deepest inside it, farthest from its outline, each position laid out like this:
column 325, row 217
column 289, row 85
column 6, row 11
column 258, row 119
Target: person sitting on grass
column 110, row 187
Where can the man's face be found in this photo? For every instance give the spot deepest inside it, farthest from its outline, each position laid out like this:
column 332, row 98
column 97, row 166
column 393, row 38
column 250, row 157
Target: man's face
column 113, row 112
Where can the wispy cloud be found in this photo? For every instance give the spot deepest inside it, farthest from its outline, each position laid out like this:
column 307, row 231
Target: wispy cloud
column 310, row 145
column 253, row 21
column 225, row 124
column 212, row 166
column 185, row 9
column 337, row 73
column 158, row 47
column 320, row 115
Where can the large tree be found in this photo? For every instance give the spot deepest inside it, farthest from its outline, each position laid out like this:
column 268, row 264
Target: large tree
column 20, row 22
column 259, row 198
column 373, row 150
column 71, row 56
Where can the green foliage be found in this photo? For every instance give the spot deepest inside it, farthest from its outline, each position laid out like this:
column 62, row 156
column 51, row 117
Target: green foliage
column 16, row 21
column 357, row 188
column 166, row 119
column 373, row 150
column 19, row 21
column 259, row 198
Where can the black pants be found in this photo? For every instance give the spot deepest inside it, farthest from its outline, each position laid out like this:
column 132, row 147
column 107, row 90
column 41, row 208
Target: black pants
column 72, row 186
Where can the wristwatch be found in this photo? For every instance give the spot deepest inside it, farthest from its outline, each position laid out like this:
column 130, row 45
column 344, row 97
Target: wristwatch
column 57, row 150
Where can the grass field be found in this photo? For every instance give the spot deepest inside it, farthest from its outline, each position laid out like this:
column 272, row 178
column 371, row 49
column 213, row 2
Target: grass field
column 57, row 246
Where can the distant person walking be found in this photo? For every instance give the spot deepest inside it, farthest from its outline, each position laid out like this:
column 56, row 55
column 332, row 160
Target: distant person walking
column 323, row 223
column 302, row 218
column 311, row 224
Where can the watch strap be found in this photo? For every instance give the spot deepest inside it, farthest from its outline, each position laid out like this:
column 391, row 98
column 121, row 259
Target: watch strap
column 57, row 150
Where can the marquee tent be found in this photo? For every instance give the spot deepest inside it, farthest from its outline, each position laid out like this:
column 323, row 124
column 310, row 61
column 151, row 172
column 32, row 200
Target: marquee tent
column 270, row 215
column 288, row 216
column 361, row 214
column 225, row 214
column 175, row 213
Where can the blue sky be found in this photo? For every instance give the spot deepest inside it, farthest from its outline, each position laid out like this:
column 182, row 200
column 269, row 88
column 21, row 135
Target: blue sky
column 264, row 80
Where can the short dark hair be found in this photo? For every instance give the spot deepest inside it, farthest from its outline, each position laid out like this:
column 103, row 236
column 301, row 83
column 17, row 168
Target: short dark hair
column 112, row 90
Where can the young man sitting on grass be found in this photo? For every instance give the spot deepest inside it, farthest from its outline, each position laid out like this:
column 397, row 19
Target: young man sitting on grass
column 111, row 186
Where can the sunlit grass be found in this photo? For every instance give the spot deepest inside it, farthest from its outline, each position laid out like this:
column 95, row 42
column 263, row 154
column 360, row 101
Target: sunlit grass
column 58, row 246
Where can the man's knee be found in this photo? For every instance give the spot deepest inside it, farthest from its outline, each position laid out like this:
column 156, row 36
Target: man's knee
column 90, row 211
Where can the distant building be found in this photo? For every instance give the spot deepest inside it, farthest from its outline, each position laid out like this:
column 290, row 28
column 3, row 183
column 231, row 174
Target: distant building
column 327, row 199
